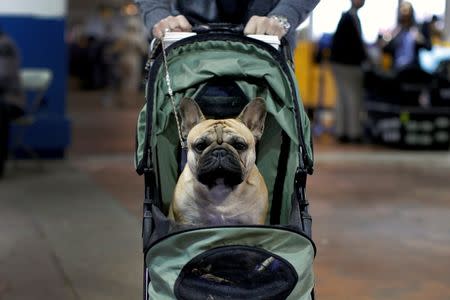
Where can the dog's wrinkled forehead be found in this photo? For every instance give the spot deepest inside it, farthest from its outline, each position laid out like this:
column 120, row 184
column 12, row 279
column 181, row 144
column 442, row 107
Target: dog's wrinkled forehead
column 220, row 131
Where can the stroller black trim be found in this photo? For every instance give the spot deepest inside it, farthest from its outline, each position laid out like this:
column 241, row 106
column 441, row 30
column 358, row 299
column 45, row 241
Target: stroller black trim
column 285, row 228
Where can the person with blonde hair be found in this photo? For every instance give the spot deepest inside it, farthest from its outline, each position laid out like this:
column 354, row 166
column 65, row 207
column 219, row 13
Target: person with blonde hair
column 406, row 40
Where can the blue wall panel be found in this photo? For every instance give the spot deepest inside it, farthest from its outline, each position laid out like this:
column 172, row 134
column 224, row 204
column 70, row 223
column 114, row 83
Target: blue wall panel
column 41, row 42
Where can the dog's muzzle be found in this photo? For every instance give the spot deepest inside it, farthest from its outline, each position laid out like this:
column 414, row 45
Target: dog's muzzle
column 219, row 163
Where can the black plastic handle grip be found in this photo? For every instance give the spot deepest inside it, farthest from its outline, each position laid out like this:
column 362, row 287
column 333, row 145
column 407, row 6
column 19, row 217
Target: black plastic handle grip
column 219, row 28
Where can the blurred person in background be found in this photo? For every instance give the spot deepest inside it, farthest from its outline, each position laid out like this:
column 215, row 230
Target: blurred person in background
column 432, row 30
column 272, row 17
column 406, row 40
column 348, row 54
column 77, row 43
column 100, row 32
column 11, row 96
column 128, row 51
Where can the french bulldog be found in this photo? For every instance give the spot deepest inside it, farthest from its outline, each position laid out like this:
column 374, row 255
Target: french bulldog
column 220, row 184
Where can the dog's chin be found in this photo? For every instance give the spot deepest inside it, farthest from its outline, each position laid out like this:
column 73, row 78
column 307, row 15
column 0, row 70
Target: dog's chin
column 220, row 176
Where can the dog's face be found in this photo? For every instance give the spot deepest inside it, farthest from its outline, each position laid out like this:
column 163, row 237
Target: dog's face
column 222, row 151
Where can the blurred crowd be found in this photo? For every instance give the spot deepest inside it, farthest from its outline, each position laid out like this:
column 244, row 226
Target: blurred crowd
column 107, row 51
column 390, row 70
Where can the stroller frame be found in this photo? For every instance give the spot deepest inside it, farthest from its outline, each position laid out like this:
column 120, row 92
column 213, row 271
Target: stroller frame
column 146, row 166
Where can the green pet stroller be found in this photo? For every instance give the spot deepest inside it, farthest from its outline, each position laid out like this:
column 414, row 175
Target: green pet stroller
column 221, row 69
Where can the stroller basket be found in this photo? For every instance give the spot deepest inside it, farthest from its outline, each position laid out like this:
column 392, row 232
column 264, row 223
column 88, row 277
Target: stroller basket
column 222, row 72
column 223, row 263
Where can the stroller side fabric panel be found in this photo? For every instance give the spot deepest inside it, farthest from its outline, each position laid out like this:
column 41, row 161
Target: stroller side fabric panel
column 306, row 126
column 182, row 260
column 141, row 131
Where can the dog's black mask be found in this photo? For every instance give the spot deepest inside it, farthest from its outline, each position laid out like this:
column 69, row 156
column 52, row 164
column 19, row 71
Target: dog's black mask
column 219, row 163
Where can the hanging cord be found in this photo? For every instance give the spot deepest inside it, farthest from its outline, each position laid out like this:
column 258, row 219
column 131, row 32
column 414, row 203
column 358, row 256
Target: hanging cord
column 170, row 91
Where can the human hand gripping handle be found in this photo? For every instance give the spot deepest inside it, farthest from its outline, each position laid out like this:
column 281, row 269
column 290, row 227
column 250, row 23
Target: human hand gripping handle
column 267, row 25
column 171, row 23
column 256, row 25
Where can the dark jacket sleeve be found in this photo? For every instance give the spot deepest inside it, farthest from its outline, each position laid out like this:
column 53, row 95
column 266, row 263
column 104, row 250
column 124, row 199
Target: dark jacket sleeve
column 152, row 11
column 296, row 11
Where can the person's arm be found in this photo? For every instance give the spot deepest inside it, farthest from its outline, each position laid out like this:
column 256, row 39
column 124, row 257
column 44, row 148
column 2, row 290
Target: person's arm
column 389, row 42
column 296, row 11
column 153, row 11
column 293, row 11
column 422, row 41
column 158, row 19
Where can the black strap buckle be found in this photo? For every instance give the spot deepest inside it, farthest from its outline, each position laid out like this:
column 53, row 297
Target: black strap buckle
column 148, row 169
column 300, row 186
column 300, row 177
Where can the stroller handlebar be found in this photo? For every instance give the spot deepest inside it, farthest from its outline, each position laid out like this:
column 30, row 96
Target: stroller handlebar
column 218, row 28
column 226, row 28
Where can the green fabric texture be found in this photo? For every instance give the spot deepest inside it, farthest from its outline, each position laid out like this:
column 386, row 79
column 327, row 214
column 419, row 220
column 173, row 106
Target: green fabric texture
column 166, row 259
column 258, row 74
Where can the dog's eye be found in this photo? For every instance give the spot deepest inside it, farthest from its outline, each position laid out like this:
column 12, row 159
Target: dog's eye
column 239, row 146
column 200, row 146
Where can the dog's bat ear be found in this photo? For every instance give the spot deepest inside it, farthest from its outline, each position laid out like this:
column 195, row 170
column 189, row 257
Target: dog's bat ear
column 253, row 116
column 191, row 115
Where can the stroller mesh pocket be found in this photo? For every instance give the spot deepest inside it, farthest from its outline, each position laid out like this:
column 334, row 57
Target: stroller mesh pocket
column 236, row 272
column 231, row 262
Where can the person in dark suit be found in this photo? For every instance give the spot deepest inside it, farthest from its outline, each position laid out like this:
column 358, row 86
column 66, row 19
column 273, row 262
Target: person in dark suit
column 348, row 53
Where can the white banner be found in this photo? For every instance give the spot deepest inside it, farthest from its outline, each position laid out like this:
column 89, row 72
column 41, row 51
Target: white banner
column 36, row 8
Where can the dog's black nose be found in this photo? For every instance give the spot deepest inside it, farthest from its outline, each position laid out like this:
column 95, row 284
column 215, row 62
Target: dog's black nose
column 219, row 153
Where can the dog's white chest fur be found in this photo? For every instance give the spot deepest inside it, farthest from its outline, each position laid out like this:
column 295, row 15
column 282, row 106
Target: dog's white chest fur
column 219, row 192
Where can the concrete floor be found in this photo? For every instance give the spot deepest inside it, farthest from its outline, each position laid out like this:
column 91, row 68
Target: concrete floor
column 72, row 231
